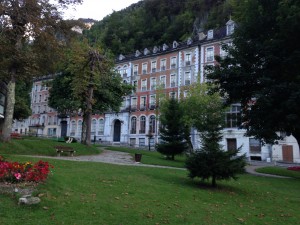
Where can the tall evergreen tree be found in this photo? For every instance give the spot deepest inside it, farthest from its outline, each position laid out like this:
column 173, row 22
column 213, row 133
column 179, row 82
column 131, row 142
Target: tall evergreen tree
column 262, row 70
column 172, row 130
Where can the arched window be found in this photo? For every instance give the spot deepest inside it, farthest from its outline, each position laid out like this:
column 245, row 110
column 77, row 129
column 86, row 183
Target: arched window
column 93, row 128
column 101, row 127
column 133, row 125
column 79, row 126
column 143, row 125
column 152, row 124
column 73, row 128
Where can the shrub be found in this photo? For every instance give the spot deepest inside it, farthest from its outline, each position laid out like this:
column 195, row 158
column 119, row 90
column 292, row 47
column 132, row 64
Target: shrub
column 294, row 168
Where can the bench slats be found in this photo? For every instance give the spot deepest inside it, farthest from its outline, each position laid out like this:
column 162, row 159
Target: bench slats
column 61, row 149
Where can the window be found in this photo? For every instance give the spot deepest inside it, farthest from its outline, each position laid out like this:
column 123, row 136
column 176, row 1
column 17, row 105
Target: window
column 133, row 103
column 153, row 83
column 188, row 59
column 152, row 124
column 143, row 103
column 163, row 81
column 255, row 145
column 135, row 70
column 144, row 85
column 173, row 62
column 233, row 116
column 51, row 131
column 163, row 64
column 231, row 144
column 152, row 102
column 73, row 128
column 101, row 127
column 142, row 125
column 79, row 126
column 210, row 34
column 93, row 127
column 144, row 68
column 173, row 95
column 209, row 54
column 187, row 78
column 153, row 66
column 142, row 142
column 173, row 80
column 133, row 125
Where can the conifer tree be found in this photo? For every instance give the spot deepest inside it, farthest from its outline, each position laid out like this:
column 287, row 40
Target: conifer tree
column 172, row 130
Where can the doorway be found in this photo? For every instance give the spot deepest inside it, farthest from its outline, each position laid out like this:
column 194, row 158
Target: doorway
column 117, row 131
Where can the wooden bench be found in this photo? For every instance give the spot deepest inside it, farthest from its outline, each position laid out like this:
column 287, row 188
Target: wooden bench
column 16, row 136
column 61, row 149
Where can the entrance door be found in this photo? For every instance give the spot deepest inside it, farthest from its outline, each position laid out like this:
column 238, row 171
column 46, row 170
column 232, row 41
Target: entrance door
column 117, row 131
column 231, row 144
column 64, row 128
column 287, row 153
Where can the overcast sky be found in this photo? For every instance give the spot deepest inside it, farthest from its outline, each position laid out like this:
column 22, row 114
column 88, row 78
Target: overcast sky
column 97, row 9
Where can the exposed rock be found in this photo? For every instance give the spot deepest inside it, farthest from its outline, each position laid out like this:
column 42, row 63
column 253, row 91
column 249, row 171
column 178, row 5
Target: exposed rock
column 29, row 200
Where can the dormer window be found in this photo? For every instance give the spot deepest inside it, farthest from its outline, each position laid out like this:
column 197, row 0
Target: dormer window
column 146, row 51
column 230, row 27
column 121, row 57
column 155, row 49
column 189, row 41
column 175, row 44
column 210, row 34
column 137, row 53
column 165, row 47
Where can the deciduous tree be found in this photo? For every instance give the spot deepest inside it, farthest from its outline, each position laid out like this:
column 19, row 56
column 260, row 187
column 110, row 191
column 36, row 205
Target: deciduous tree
column 32, row 33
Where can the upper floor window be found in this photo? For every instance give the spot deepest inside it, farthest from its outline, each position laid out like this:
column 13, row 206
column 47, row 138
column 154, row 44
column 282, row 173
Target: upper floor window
column 188, row 59
column 152, row 101
column 144, row 85
column 230, row 27
column 209, row 54
column 163, row 64
column 173, row 80
column 153, row 83
column 210, row 34
column 135, row 70
column 187, row 78
column 143, row 103
column 133, row 103
column 163, row 81
column 153, row 66
column 233, row 116
column 173, row 62
column 144, row 68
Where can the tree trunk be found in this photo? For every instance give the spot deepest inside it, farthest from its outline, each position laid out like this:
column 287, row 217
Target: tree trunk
column 9, row 111
column 213, row 181
column 83, row 129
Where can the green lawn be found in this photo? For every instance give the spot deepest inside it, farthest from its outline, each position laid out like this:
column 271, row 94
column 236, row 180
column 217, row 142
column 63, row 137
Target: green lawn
column 96, row 193
column 39, row 146
column 281, row 171
column 152, row 157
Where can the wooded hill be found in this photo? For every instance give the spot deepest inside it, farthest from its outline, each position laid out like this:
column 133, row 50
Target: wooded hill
column 155, row 22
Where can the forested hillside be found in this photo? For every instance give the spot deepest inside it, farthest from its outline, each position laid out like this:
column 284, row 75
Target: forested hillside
column 154, row 22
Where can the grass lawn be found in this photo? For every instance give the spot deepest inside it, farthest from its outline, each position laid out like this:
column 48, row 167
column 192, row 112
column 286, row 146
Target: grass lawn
column 95, row 193
column 281, row 171
column 152, row 157
column 39, row 146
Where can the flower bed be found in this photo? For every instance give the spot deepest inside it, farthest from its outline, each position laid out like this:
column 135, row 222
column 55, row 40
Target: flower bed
column 294, row 168
column 15, row 172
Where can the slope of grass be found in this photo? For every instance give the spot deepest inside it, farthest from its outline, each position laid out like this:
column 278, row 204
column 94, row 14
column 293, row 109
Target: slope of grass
column 281, row 171
column 152, row 157
column 39, row 146
column 96, row 193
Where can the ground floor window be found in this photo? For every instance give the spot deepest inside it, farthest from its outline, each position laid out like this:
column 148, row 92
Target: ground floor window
column 141, row 142
column 51, row 131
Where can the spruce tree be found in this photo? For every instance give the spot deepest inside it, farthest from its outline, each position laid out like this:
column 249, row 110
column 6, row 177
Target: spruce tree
column 172, row 130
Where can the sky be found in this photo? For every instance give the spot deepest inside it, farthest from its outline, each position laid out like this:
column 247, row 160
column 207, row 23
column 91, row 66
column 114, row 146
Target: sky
column 97, row 9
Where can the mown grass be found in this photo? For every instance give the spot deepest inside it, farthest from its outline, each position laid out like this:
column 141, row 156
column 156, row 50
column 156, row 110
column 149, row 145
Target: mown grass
column 39, row 146
column 152, row 157
column 96, row 193
column 281, row 171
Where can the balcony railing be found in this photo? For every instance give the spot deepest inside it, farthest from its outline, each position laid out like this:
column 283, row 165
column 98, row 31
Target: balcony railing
column 142, row 107
column 173, row 66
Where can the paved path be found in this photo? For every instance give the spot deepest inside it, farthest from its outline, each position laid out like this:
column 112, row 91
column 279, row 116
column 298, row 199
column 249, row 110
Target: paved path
column 123, row 158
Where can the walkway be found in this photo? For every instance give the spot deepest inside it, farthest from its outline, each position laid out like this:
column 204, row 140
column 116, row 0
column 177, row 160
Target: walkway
column 123, row 158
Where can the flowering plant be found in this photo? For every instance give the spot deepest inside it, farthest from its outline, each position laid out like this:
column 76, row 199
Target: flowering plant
column 295, row 168
column 16, row 172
